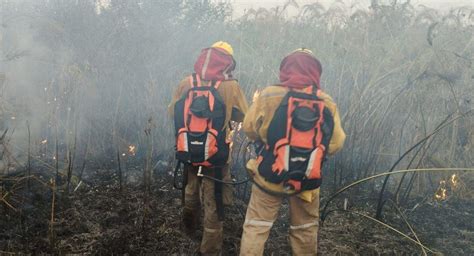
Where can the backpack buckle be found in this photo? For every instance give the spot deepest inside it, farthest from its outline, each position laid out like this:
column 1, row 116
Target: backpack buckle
column 199, row 174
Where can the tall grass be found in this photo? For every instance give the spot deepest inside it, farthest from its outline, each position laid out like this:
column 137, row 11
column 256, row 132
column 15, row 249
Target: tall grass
column 396, row 71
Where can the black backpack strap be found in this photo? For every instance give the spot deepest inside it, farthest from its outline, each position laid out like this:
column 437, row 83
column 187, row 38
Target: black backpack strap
column 184, row 181
column 216, row 84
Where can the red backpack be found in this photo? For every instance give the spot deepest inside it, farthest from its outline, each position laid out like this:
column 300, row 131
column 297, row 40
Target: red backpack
column 199, row 118
column 297, row 141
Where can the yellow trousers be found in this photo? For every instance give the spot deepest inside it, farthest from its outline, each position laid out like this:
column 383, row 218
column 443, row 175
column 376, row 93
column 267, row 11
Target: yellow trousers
column 200, row 191
column 262, row 212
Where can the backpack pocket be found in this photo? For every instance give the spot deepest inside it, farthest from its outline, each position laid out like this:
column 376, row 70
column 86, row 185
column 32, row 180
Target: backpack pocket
column 313, row 169
column 196, row 147
column 297, row 163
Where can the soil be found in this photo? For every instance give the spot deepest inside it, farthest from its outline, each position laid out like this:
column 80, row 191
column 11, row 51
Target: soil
column 100, row 218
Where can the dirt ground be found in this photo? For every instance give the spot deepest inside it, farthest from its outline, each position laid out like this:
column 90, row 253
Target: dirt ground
column 98, row 218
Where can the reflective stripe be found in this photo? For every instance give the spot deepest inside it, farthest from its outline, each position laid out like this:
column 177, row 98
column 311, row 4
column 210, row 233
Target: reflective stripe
column 311, row 162
column 261, row 223
column 206, row 148
column 185, row 141
column 210, row 100
column 206, row 63
column 212, row 230
column 287, row 157
column 307, row 225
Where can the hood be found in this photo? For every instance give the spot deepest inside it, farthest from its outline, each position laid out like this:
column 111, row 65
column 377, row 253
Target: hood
column 214, row 64
column 299, row 70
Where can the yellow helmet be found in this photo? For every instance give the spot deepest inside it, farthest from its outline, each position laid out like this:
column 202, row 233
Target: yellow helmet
column 304, row 50
column 224, row 46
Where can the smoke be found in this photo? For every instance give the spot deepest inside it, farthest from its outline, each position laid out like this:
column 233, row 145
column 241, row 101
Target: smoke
column 26, row 87
column 93, row 75
column 96, row 72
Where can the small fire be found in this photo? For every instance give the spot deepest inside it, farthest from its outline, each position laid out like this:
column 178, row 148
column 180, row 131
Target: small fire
column 44, row 141
column 239, row 126
column 441, row 193
column 13, row 117
column 255, row 95
column 132, row 150
column 454, row 181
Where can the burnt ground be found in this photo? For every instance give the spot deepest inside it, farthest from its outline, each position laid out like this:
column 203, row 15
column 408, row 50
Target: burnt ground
column 98, row 218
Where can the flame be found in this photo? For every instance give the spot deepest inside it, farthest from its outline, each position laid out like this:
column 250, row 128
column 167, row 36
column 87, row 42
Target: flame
column 441, row 193
column 44, row 141
column 236, row 128
column 239, row 126
column 454, row 181
column 132, row 150
column 255, row 95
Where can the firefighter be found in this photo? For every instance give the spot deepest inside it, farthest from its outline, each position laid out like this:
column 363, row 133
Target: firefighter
column 295, row 125
column 203, row 106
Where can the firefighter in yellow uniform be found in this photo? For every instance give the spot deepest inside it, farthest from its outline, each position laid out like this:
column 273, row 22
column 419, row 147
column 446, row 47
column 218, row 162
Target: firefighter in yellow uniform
column 298, row 71
column 213, row 64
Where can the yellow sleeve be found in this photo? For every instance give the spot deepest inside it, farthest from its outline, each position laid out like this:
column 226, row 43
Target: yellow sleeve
column 253, row 121
column 240, row 107
column 176, row 96
column 338, row 134
column 261, row 112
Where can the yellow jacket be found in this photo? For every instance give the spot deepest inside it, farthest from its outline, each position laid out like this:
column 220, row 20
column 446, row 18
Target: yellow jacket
column 258, row 118
column 234, row 99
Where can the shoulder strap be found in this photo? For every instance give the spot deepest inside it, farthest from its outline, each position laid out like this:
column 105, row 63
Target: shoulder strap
column 195, row 80
column 216, row 84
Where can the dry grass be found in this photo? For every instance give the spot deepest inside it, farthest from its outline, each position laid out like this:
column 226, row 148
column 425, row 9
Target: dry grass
column 79, row 89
